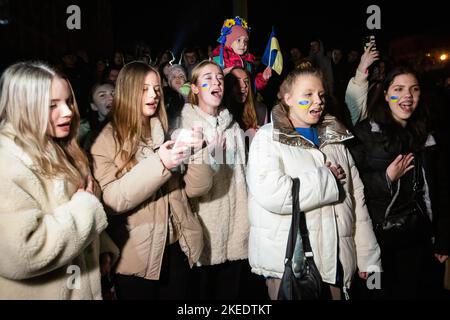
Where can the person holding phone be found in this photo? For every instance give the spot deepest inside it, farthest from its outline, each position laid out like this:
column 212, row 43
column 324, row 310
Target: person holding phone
column 370, row 41
column 358, row 86
column 146, row 192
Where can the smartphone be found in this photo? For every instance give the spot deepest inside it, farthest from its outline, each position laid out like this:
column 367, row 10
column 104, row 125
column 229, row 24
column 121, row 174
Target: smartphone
column 368, row 40
column 182, row 136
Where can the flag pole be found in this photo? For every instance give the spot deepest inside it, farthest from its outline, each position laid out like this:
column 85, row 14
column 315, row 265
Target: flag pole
column 270, row 45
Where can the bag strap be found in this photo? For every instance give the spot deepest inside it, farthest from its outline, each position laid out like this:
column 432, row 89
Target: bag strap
column 294, row 222
column 298, row 220
column 417, row 181
column 302, row 223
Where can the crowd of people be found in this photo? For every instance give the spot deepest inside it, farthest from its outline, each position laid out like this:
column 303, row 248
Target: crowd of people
column 150, row 179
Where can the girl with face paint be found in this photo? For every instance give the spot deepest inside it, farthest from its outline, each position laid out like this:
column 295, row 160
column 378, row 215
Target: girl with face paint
column 302, row 141
column 223, row 210
column 398, row 159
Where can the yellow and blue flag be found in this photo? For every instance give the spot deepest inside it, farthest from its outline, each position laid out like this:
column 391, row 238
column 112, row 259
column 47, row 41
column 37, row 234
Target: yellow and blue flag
column 272, row 55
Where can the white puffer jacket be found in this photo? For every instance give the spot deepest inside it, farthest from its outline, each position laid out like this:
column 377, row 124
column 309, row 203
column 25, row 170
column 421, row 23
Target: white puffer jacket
column 338, row 223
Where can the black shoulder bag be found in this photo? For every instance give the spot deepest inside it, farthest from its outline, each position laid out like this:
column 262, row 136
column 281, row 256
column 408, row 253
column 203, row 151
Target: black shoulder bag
column 309, row 285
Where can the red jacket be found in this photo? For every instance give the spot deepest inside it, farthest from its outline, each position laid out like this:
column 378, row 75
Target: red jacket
column 246, row 61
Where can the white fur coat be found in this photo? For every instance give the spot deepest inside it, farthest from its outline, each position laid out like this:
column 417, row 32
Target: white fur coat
column 223, row 211
column 49, row 233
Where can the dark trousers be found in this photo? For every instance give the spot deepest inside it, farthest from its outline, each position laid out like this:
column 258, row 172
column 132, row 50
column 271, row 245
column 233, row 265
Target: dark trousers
column 408, row 273
column 172, row 284
column 217, row 282
column 226, row 281
column 252, row 286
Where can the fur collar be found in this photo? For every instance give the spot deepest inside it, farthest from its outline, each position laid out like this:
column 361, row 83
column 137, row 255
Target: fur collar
column 223, row 121
column 330, row 130
column 193, row 116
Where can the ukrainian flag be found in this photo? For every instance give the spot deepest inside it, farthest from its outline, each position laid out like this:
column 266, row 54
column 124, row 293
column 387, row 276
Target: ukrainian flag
column 272, row 55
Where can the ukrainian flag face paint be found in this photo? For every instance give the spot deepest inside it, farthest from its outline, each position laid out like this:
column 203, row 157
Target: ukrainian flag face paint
column 205, row 86
column 304, row 104
column 394, row 98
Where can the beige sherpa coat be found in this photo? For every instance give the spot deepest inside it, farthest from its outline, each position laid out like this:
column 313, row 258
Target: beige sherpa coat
column 223, row 210
column 49, row 233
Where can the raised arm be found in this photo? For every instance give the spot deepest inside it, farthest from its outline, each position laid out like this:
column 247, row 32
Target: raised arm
column 358, row 86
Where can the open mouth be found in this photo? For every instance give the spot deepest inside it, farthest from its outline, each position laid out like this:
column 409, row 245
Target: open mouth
column 406, row 106
column 64, row 126
column 217, row 93
column 153, row 104
column 315, row 112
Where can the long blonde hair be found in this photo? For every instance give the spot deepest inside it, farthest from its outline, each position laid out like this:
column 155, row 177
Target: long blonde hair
column 25, row 95
column 127, row 111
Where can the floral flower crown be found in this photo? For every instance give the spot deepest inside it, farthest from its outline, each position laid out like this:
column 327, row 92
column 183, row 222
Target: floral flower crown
column 228, row 24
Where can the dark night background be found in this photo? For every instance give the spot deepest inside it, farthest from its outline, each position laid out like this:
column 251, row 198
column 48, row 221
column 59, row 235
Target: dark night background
column 37, row 29
column 412, row 32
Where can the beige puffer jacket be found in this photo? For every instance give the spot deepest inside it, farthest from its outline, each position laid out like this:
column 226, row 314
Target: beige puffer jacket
column 139, row 203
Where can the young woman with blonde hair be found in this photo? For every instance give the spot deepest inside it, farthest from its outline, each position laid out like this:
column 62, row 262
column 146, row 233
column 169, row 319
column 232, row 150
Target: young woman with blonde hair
column 50, row 219
column 305, row 143
column 223, row 210
column 146, row 192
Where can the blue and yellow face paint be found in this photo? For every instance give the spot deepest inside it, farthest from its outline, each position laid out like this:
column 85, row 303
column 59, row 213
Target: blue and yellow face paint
column 304, row 104
column 394, row 98
column 205, row 86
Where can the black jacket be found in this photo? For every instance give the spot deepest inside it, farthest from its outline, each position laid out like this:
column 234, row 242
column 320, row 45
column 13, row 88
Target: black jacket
column 373, row 152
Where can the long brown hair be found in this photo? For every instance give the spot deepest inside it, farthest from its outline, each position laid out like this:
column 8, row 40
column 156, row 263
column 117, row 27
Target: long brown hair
column 24, row 104
column 243, row 113
column 127, row 111
column 417, row 124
